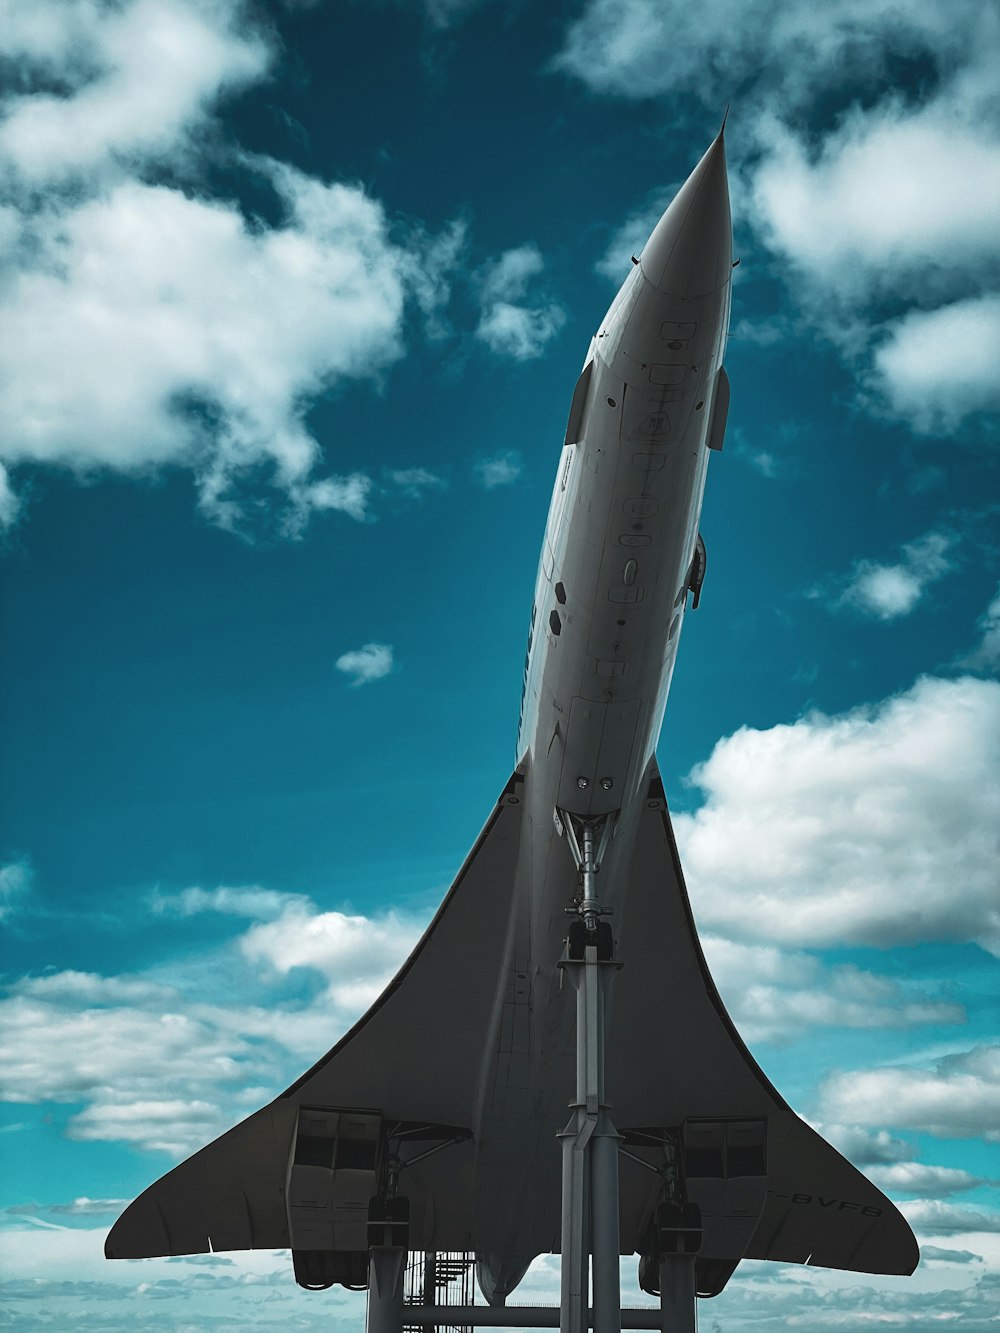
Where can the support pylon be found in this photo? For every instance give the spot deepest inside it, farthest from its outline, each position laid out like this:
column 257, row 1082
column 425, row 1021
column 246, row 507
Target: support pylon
column 386, row 1269
column 590, row 1233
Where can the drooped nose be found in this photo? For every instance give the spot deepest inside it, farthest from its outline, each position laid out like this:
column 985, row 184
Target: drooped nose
column 690, row 252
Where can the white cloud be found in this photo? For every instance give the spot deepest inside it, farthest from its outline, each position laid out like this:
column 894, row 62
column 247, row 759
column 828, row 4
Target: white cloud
column 877, row 826
column 517, row 331
column 897, row 202
column 414, row 482
column 774, row 995
column 941, row 1219
column 765, row 462
column 770, row 463
column 506, row 326
column 937, row 367
column 161, row 1125
column 867, row 1147
column 500, row 470
column 371, row 662
column 929, row 1182
column 888, row 592
column 166, row 1067
column 900, row 203
column 247, row 901
column 357, row 955
column 342, row 947
column 120, row 1055
column 142, row 76
column 507, row 277
column 15, row 881
column 891, row 193
column 957, row 1098
column 934, row 1254
column 10, row 506
column 986, row 655
column 640, row 48
column 89, row 988
column 185, row 335
column 81, row 1207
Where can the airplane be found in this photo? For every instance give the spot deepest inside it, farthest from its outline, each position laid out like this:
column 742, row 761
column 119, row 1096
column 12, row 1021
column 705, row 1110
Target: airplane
column 563, row 966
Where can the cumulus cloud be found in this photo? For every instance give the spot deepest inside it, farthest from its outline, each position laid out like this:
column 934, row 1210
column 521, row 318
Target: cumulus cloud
column 185, row 335
column 140, row 77
column 891, row 591
column 928, row 1182
column 365, row 664
column 897, row 203
column 116, row 1056
column 893, row 204
column 641, row 48
column 933, row 1218
column 357, row 954
column 775, row 995
column 499, row 470
column 891, row 193
column 506, row 325
column 866, row 1147
column 166, row 1067
column 877, row 826
column 937, row 367
column 164, row 1124
column 956, row 1098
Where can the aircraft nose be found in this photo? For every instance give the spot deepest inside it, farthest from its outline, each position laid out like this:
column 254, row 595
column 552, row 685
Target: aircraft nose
column 690, row 252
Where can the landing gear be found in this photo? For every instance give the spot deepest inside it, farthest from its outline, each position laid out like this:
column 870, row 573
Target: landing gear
column 588, row 841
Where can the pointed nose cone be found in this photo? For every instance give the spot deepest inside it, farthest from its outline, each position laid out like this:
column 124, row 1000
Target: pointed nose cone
column 690, row 252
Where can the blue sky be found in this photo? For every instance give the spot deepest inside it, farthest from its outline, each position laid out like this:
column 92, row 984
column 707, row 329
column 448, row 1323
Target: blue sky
column 295, row 296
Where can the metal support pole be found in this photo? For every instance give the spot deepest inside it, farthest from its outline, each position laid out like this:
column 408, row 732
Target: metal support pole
column 386, row 1269
column 430, row 1277
column 590, row 1202
column 574, row 1294
column 604, row 1224
column 677, row 1293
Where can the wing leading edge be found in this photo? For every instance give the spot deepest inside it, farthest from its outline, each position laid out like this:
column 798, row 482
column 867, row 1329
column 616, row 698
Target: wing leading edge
column 413, row 1056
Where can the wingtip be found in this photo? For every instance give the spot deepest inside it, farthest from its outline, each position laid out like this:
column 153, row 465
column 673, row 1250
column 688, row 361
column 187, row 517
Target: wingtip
column 725, row 117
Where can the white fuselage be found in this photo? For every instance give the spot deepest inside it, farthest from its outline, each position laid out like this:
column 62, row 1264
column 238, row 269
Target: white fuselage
column 609, row 602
